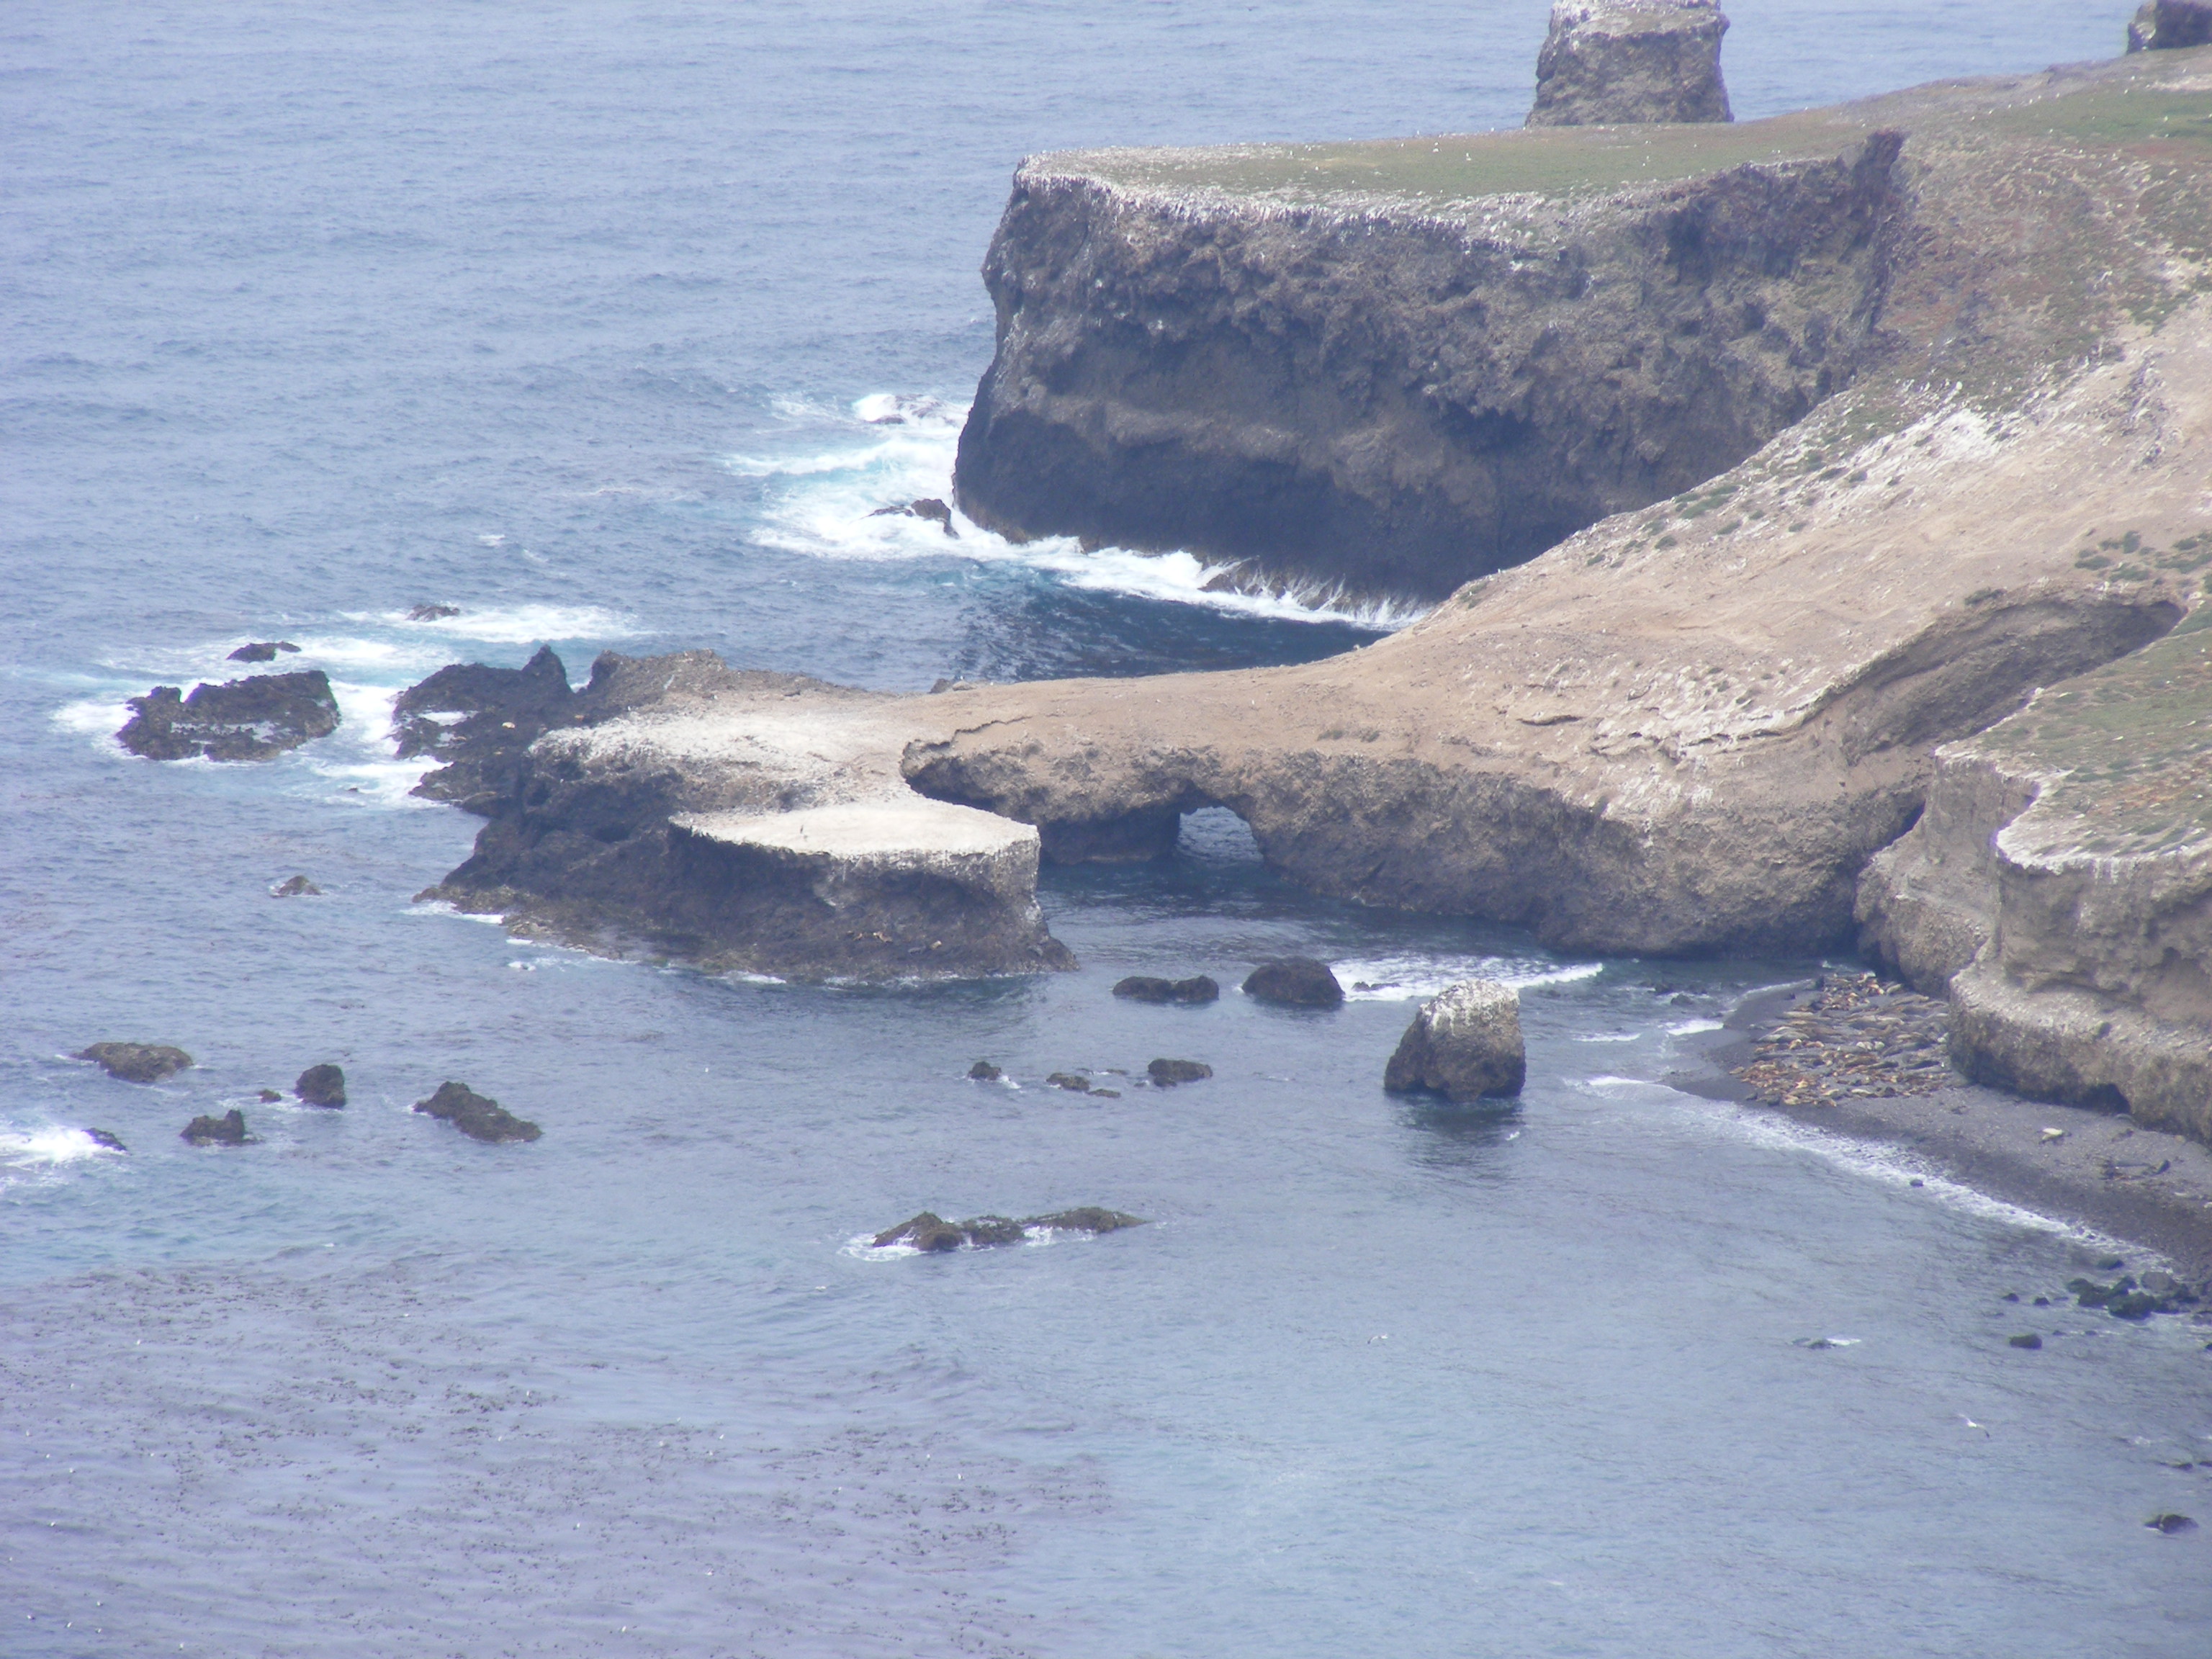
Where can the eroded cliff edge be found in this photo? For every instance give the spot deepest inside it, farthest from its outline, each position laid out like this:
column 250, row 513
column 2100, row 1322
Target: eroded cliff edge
column 1686, row 727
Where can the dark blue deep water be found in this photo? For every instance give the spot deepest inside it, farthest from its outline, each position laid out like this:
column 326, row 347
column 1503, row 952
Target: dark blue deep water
column 574, row 315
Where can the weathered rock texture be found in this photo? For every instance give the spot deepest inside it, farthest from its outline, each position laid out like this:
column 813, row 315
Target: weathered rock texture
column 229, row 1130
column 746, row 821
column 137, row 1062
column 1465, row 1045
column 1606, row 62
column 321, row 1085
column 2166, row 25
column 477, row 1116
column 2060, row 883
column 254, row 719
column 1380, row 370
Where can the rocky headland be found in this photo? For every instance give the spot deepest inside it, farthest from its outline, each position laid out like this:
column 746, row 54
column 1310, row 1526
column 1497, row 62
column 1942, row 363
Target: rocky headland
column 1862, row 453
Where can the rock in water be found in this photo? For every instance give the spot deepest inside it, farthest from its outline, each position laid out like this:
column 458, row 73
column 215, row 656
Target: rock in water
column 927, row 506
column 931, row 1231
column 321, row 1085
column 137, row 1062
column 108, row 1139
column 926, row 1231
column 433, row 612
column 502, row 712
column 1089, row 1218
column 257, row 718
column 1166, row 1073
column 229, row 1130
column 1296, row 982
column 262, row 650
column 2171, row 1524
column 1146, row 988
column 2168, row 24
column 1608, row 63
column 1464, row 1044
column 983, row 1072
column 476, row 1116
column 297, row 887
column 2026, row 1339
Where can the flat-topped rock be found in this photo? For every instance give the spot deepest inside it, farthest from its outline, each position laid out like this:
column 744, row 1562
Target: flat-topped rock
column 898, row 839
column 1607, row 63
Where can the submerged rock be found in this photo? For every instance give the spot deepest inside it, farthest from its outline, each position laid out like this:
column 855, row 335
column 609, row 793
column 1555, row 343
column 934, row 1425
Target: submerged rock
column 108, row 1139
column 927, row 506
column 297, row 887
column 1464, row 1044
column 254, row 719
column 1147, row 987
column 433, row 612
column 931, row 1231
column 229, row 1130
column 1295, row 982
column 476, row 1115
column 321, row 1085
column 2170, row 1524
column 1071, row 1080
column 262, row 650
column 268, row 1097
column 1610, row 63
column 1166, row 1073
column 137, row 1062
column 2027, row 1340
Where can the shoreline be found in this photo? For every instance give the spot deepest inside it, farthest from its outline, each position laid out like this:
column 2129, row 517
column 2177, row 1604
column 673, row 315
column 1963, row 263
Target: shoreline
column 1995, row 1143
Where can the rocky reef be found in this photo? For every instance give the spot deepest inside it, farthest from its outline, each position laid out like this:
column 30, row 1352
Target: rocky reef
column 1610, row 61
column 254, row 719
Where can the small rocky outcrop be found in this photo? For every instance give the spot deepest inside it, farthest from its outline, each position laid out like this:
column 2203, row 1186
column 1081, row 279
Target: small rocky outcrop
column 254, row 719
column 108, row 1139
column 2171, row 1524
column 478, row 720
column 1166, row 1073
column 229, row 1130
column 1464, row 1044
column 136, row 1062
column 1609, row 63
column 1295, row 982
column 929, row 1231
column 296, row 887
column 1146, row 988
column 321, row 1085
column 983, row 1072
column 478, row 1116
column 2169, row 25
column 267, row 1097
column 927, row 506
column 2129, row 1298
column 262, row 650
column 433, row 612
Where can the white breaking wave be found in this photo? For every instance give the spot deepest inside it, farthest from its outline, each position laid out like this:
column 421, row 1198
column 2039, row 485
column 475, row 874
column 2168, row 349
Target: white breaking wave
column 1393, row 979
column 43, row 1152
column 516, row 624
column 826, row 501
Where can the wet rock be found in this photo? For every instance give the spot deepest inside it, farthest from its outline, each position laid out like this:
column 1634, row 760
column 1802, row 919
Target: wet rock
column 1606, row 63
column 137, row 1062
column 1146, row 988
column 1070, row 1080
column 478, row 720
column 2026, row 1339
column 2166, row 1286
column 297, row 887
column 254, row 719
column 1464, row 1044
column 2135, row 1304
column 2170, row 25
column 927, row 507
column 926, row 1231
column 321, row 1085
column 985, row 1230
column 2170, row 1524
column 1089, row 1218
column 433, row 612
column 269, row 1096
column 262, row 651
column 1295, row 982
column 983, row 1072
column 229, row 1130
column 476, row 1116
column 108, row 1139
column 1166, row 1073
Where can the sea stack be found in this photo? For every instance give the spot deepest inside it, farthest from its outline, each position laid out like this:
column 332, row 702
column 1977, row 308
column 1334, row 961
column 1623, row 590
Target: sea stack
column 1609, row 63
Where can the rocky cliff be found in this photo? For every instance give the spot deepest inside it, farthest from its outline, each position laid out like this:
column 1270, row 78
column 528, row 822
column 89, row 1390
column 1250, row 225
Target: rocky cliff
column 1606, row 62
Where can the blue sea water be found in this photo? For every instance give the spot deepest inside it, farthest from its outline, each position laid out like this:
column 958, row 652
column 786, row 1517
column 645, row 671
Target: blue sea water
column 585, row 318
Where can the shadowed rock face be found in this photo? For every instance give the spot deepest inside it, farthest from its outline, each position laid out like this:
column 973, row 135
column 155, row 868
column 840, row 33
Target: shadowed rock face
column 254, row 719
column 1609, row 62
column 1386, row 396
column 2169, row 25
column 1465, row 1045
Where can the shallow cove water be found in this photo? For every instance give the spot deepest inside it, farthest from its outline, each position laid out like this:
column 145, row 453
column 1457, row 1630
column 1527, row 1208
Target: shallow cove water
column 584, row 319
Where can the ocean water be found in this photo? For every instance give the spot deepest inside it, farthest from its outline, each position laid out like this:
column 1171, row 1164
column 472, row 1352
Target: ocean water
column 588, row 319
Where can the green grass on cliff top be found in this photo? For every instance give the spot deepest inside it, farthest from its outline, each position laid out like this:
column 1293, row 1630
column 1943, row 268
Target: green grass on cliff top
column 2163, row 109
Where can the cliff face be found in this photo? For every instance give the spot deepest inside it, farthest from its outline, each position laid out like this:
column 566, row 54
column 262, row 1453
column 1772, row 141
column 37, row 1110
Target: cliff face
column 1386, row 395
